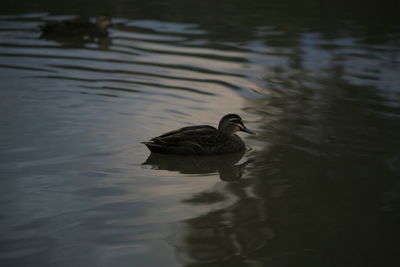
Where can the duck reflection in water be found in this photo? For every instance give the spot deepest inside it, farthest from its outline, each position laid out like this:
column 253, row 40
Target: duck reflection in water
column 225, row 164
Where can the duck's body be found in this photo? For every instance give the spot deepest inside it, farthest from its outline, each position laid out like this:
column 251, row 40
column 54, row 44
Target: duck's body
column 77, row 27
column 202, row 139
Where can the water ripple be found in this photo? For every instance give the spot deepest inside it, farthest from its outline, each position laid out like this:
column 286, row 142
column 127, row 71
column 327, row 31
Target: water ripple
column 152, row 58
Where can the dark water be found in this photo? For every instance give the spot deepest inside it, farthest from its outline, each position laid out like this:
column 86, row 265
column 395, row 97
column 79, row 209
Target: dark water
column 318, row 81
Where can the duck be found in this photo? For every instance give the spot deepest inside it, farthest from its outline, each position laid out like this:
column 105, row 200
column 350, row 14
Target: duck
column 77, row 27
column 202, row 139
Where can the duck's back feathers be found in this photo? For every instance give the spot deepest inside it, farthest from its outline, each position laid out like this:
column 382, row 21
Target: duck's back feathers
column 187, row 132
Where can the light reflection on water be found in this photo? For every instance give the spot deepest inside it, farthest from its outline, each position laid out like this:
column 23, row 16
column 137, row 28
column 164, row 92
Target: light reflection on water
column 76, row 178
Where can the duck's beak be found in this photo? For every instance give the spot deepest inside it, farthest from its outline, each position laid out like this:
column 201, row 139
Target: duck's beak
column 246, row 130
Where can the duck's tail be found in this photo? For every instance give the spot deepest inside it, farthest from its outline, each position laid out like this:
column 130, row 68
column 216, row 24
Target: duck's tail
column 156, row 148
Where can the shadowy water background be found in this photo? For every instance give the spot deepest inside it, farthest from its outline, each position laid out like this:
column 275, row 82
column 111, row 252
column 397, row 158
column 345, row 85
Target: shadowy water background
column 319, row 82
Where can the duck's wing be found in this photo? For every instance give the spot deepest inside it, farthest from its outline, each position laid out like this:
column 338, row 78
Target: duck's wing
column 194, row 139
column 188, row 131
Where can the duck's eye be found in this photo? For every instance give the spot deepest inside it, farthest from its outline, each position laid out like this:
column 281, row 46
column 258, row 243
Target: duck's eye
column 238, row 122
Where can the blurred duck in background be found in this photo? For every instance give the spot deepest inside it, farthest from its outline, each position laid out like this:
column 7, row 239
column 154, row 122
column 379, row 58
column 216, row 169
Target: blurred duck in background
column 78, row 27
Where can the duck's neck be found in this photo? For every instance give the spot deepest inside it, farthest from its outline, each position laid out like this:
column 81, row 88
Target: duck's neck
column 226, row 131
column 101, row 28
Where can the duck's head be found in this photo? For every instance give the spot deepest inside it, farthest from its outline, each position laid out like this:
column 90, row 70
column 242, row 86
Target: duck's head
column 231, row 123
column 103, row 22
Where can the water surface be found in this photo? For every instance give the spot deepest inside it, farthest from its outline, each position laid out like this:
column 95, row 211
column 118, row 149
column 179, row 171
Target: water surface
column 319, row 186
